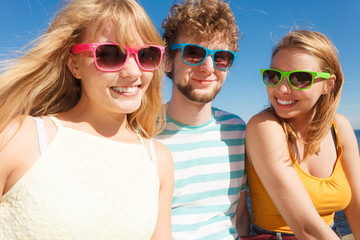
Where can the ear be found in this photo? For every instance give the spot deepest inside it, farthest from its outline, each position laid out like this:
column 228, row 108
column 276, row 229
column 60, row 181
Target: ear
column 330, row 84
column 73, row 67
column 168, row 63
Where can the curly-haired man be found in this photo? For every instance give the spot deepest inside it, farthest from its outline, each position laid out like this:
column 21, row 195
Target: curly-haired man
column 207, row 143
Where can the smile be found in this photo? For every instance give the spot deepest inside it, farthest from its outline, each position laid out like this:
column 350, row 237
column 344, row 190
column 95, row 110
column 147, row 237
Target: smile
column 125, row 89
column 285, row 102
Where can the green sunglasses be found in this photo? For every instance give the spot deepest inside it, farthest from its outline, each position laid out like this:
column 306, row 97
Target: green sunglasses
column 297, row 79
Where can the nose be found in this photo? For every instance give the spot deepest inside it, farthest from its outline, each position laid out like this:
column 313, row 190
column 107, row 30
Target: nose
column 284, row 86
column 207, row 65
column 131, row 69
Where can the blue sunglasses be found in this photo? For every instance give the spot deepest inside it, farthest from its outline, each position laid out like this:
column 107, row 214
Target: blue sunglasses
column 193, row 54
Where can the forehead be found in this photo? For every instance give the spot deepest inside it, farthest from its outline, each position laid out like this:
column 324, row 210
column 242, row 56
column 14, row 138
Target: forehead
column 217, row 43
column 290, row 59
column 110, row 32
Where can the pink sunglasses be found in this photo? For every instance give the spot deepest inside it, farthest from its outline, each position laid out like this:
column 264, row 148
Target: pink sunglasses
column 109, row 57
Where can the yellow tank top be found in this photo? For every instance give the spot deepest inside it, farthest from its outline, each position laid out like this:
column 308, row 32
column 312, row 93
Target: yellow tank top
column 329, row 195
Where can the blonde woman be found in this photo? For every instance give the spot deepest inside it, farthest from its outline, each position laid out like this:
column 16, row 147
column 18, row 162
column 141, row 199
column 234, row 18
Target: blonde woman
column 302, row 157
column 78, row 112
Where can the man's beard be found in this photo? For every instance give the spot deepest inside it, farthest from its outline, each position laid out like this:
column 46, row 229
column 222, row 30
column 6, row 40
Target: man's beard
column 192, row 95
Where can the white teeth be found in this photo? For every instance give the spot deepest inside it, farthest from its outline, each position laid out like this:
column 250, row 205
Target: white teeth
column 284, row 102
column 125, row 89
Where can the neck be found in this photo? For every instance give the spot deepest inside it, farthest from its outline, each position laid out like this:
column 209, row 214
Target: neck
column 91, row 120
column 187, row 112
column 300, row 124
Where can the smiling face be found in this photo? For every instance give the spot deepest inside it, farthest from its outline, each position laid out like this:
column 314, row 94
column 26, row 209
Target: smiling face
column 289, row 103
column 200, row 83
column 112, row 92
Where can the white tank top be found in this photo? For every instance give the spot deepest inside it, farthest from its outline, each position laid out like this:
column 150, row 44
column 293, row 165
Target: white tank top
column 83, row 187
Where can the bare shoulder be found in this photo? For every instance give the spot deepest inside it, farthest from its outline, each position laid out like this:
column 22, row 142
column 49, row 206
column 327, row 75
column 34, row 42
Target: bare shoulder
column 16, row 134
column 19, row 150
column 347, row 136
column 165, row 162
column 342, row 123
column 163, row 154
column 15, row 140
column 345, row 131
column 265, row 138
column 263, row 122
column 21, row 131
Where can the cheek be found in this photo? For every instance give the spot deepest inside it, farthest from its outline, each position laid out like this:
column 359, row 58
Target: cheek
column 221, row 75
column 146, row 79
column 317, row 90
column 87, row 68
column 181, row 73
column 269, row 91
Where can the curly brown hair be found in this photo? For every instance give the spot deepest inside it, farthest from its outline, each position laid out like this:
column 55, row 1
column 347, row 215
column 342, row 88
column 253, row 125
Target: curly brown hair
column 201, row 19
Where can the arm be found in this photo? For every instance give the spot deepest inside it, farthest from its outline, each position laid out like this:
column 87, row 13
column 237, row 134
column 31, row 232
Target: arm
column 351, row 165
column 242, row 215
column 7, row 152
column 17, row 135
column 267, row 151
column 166, row 177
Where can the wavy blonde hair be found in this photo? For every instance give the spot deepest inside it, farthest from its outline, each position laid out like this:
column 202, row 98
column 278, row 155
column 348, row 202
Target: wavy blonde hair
column 39, row 83
column 321, row 47
column 201, row 19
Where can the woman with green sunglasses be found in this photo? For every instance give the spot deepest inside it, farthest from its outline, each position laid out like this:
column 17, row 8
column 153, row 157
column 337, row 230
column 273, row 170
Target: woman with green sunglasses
column 302, row 157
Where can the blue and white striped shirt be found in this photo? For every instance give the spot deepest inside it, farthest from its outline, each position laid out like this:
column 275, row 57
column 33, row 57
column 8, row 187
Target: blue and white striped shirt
column 209, row 175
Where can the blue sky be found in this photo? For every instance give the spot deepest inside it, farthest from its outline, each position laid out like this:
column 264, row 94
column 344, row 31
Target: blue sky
column 261, row 22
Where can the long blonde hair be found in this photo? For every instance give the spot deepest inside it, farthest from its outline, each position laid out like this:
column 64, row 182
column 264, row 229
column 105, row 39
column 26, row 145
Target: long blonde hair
column 39, row 83
column 319, row 46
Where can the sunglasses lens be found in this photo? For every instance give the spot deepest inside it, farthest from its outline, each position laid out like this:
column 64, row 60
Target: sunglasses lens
column 301, row 80
column 271, row 77
column 223, row 59
column 110, row 57
column 149, row 57
column 193, row 54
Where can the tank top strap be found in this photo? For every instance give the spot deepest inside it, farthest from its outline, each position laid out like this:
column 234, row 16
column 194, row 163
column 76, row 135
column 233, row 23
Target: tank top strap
column 152, row 152
column 338, row 146
column 56, row 121
column 151, row 148
column 293, row 160
column 41, row 134
column 336, row 133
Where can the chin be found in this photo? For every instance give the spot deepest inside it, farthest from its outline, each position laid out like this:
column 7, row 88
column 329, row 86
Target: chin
column 129, row 108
